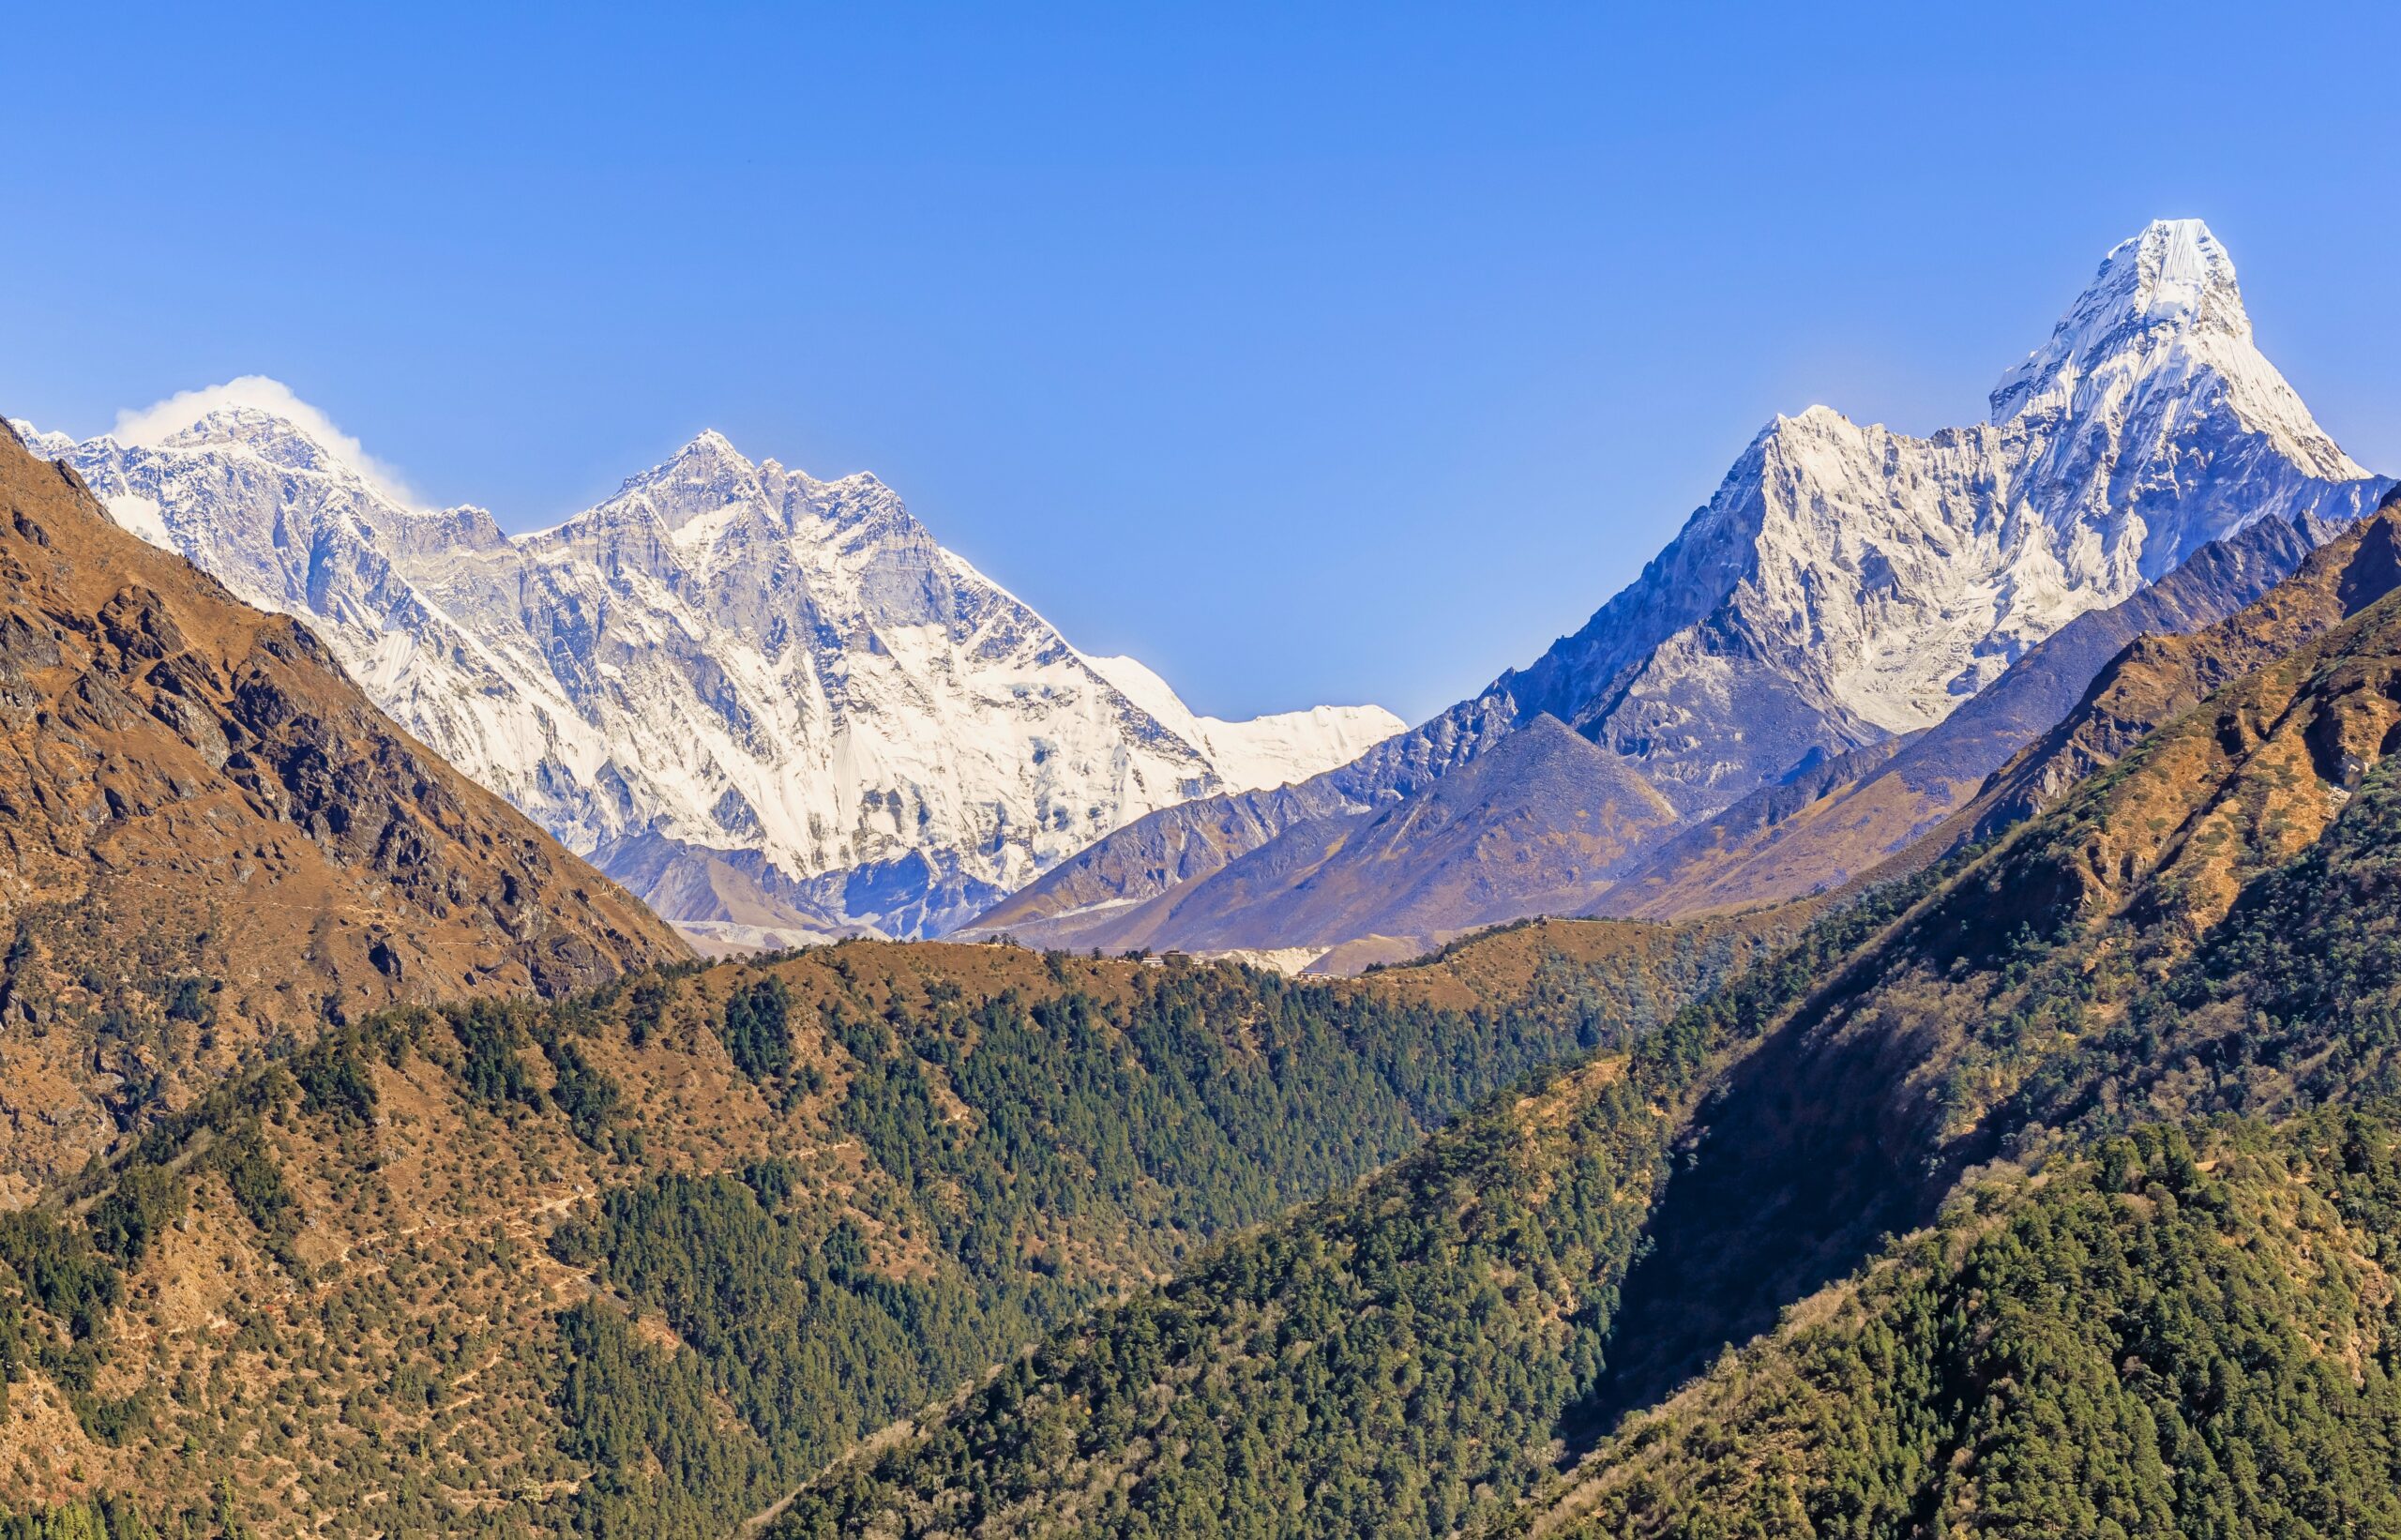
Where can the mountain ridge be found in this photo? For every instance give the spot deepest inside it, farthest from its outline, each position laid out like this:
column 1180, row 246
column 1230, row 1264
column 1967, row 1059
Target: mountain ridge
column 722, row 657
column 1856, row 813
column 1846, row 585
column 1538, row 819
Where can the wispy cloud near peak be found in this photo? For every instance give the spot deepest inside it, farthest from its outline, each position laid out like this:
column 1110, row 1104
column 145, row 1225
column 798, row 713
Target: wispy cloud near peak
column 162, row 420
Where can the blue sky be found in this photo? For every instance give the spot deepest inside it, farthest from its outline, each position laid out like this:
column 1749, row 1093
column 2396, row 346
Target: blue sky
column 1307, row 352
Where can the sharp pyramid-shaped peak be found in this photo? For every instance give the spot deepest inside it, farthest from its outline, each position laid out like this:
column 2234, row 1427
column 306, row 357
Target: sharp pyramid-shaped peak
column 706, row 475
column 2174, row 271
column 2163, row 312
column 2174, row 277
column 703, row 490
column 709, row 455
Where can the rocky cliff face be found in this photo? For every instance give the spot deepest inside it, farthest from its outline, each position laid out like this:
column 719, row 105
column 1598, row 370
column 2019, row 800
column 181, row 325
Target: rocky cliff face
column 209, row 839
column 726, row 664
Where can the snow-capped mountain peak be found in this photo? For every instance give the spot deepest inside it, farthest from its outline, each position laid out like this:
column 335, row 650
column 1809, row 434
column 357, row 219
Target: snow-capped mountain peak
column 2164, row 310
column 277, row 410
column 1849, row 581
column 1846, row 583
column 723, row 661
column 47, row 446
column 250, row 427
column 2179, row 270
column 2175, row 271
column 2174, row 277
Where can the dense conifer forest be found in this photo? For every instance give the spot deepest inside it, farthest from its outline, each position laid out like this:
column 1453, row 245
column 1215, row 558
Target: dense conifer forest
column 2187, row 1329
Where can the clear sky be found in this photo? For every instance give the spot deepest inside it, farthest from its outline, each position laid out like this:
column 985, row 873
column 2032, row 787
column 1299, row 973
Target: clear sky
column 1307, row 352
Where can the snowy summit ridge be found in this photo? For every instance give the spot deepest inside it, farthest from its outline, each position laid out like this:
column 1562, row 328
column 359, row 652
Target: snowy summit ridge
column 2162, row 329
column 773, row 705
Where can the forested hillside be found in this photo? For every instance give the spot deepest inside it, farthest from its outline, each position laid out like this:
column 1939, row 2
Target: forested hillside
column 639, row 1261
column 2208, row 927
column 1385, row 1363
column 2189, row 1330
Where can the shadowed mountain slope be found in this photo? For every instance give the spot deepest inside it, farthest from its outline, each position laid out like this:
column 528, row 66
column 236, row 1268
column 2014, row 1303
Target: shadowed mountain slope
column 1081, row 902
column 1532, row 825
column 2184, row 1332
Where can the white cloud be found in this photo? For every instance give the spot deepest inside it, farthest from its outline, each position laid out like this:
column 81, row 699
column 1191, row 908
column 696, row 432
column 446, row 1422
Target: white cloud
column 155, row 424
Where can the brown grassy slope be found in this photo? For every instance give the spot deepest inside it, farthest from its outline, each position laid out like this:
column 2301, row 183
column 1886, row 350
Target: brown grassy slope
column 208, row 838
column 2158, row 677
